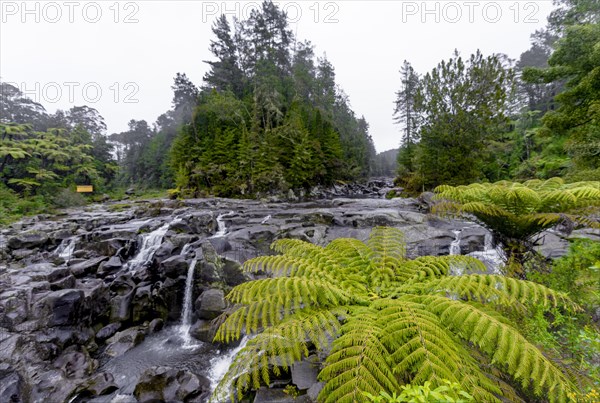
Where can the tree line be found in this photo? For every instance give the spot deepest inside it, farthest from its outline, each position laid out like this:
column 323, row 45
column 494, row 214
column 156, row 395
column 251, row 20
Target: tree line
column 489, row 118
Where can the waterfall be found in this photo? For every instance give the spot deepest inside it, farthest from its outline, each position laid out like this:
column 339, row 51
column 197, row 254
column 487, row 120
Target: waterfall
column 186, row 311
column 455, row 245
column 267, row 218
column 222, row 231
column 218, row 368
column 491, row 256
column 456, row 269
column 150, row 244
column 66, row 248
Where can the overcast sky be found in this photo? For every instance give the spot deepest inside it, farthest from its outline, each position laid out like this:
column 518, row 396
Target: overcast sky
column 120, row 58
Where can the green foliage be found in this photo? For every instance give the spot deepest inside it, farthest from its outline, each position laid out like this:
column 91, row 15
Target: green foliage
column 455, row 112
column 387, row 321
column 68, row 198
column 448, row 393
column 13, row 206
column 515, row 212
column 576, row 62
column 270, row 118
column 578, row 274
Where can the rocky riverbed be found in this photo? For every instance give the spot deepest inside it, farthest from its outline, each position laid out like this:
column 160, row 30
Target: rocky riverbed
column 114, row 302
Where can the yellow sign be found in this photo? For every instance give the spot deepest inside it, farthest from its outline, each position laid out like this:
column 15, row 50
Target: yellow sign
column 85, row 189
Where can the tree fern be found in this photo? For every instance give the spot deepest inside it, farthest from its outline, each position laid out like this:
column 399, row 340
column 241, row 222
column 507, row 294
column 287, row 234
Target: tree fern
column 385, row 321
column 516, row 212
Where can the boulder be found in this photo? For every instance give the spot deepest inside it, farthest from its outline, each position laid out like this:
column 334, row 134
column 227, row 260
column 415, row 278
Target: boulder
column 266, row 395
column 210, row 304
column 164, row 251
column 304, row 373
column 87, row 267
column 74, row 364
column 124, row 341
column 11, row 385
column 60, row 308
column 112, row 265
column 141, row 304
column 122, row 292
column 202, row 222
column 156, row 325
column 232, row 273
column 314, row 390
column 552, row 245
column 67, row 282
column 203, row 330
column 100, row 384
column 173, row 267
column 108, row 331
column 168, row 384
column 110, row 247
column 27, row 240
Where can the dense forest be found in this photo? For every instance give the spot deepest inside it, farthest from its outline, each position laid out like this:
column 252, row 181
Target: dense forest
column 492, row 118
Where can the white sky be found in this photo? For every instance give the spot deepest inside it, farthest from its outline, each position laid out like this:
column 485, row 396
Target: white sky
column 63, row 63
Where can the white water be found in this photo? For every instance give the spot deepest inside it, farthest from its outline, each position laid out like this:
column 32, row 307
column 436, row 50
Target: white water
column 150, row 244
column 222, row 231
column 218, row 368
column 456, row 270
column 493, row 257
column 267, row 218
column 66, row 248
column 186, row 312
column 455, row 245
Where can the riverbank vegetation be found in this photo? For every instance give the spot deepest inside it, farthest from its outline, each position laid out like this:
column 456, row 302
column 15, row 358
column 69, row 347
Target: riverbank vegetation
column 385, row 321
column 490, row 118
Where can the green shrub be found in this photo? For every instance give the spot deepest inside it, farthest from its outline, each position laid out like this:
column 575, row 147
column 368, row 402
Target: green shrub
column 67, row 198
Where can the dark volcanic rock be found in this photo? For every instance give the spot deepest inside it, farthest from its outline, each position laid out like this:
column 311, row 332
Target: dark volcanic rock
column 304, row 373
column 87, row 267
column 100, row 384
column 210, row 304
column 108, row 331
column 173, row 267
column 27, row 241
column 60, row 308
column 266, row 395
column 124, row 341
column 171, row 385
column 11, row 385
column 203, row 330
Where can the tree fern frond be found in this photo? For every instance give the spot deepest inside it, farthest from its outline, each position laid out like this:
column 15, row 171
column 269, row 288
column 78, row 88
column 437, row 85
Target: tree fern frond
column 506, row 346
column 268, row 302
column 428, row 267
column 495, row 289
column 358, row 362
column 278, row 347
column 388, row 246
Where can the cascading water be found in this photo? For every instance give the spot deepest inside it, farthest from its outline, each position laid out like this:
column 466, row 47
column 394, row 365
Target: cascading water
column 455, row 245
column 222, row 227
column 218, row 368
column 66, row 248
column 186, row 311
column 150, row 244
column 267, row 218
column 456, row 270
column 491, row 256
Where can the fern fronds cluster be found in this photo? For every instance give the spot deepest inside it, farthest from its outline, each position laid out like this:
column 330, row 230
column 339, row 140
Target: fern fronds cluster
column 516, row 212
column 385, row 321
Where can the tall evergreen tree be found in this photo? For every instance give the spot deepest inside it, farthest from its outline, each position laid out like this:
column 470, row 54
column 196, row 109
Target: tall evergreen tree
column 407, row 116
column 464, row 105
